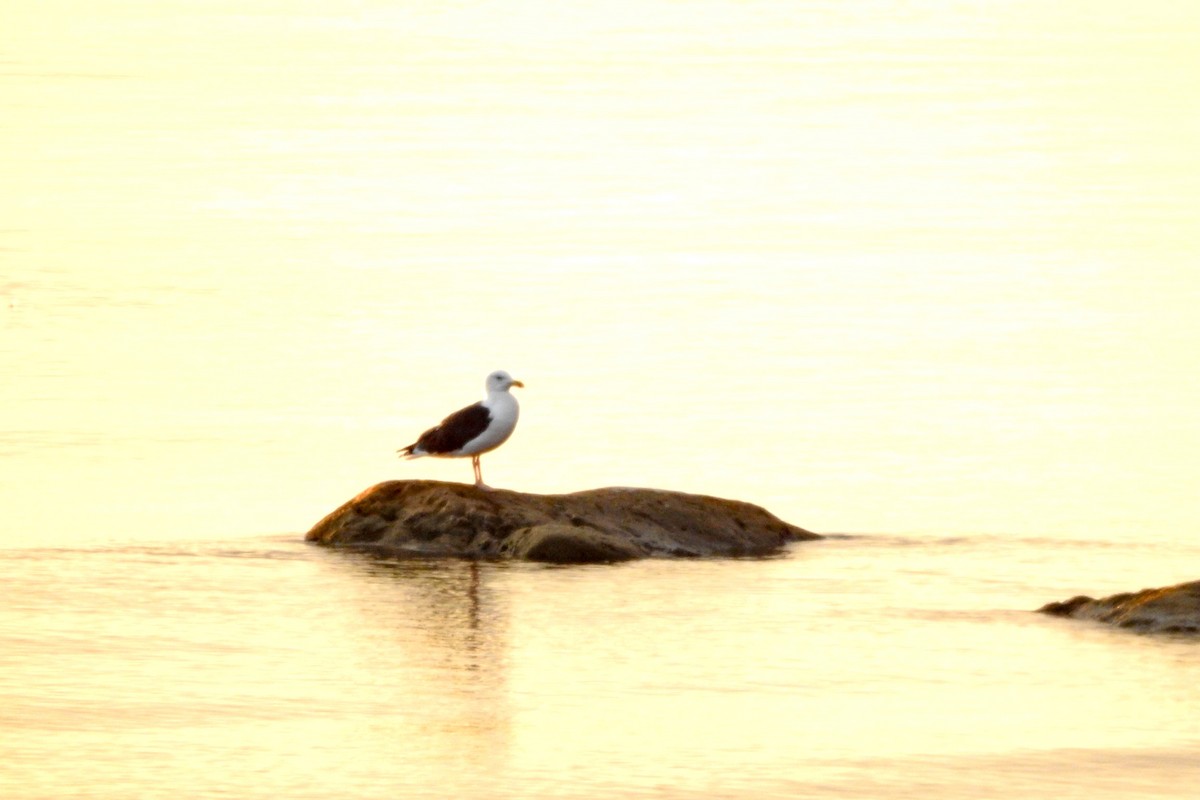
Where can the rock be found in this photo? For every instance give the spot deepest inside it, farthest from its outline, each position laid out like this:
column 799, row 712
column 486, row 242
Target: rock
column 596, row 526
column 1172, row 609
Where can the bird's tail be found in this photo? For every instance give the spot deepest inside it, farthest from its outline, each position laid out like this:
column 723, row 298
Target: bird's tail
column 409, row 451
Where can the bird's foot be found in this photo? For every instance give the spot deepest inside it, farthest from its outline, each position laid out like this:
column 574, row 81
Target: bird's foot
column 483, row 487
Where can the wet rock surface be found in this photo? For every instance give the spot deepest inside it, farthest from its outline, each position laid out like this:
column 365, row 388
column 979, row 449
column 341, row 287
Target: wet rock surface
column 434, row 518
column 1171, row 609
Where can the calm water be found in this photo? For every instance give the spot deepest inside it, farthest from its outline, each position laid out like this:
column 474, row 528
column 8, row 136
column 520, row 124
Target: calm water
column 866, row 666
column 925, row 272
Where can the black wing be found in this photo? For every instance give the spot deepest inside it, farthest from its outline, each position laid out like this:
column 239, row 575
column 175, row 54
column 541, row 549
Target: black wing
column 454, row 431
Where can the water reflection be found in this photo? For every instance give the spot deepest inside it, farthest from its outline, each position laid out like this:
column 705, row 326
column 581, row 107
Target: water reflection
column 430, row 639
column 445, row 601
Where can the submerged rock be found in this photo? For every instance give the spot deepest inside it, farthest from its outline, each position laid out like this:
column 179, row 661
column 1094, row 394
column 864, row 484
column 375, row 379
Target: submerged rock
column 600, row 525
column 1172, row 609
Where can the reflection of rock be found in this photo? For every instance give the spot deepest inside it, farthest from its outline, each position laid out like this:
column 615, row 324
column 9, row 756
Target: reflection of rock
column 1173, row 609
column 428, row 644
column 601, row 525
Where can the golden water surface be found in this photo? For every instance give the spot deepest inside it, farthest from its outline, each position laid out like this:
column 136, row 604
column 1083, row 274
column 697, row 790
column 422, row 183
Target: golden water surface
column 926, row 272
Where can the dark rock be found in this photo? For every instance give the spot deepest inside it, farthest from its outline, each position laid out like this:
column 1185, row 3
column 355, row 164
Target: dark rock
column 596, row 526
column 1172, row 609
column 1067, row 607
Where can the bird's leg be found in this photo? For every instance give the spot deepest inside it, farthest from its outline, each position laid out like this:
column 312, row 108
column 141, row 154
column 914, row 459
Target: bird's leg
column 479, row 484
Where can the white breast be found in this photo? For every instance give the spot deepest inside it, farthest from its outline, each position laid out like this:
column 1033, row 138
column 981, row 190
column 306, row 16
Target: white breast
column 504, row 410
